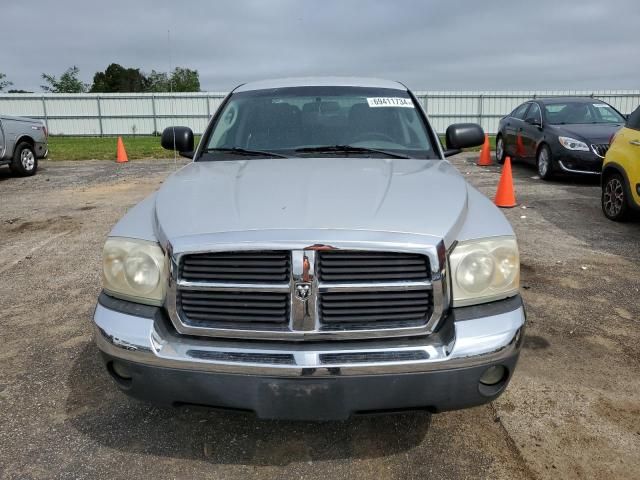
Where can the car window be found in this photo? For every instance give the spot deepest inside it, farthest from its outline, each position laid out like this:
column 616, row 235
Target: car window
column 535, row 112
column 286, row 120
column 520, row 111
column 606, row 114
column 634, row 120
column 581, row 112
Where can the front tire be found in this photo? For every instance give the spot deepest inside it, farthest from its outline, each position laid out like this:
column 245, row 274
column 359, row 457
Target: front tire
column 25, row 162
column 544, row 162
column 615, row 202
column 500, row 152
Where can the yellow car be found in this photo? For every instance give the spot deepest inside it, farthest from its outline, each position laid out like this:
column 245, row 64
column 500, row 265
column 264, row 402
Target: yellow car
column 621, row 171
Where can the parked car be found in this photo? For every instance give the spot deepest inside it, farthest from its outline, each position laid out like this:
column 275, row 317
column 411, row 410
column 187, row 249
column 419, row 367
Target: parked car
column 621, row 171
column 22, row 142
column 559, row 135
column 318, row 258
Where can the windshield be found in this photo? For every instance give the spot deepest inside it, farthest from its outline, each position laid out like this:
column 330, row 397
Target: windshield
column 331, row 121
column 581, row 112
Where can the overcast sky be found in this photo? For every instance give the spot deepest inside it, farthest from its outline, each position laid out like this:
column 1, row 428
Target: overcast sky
column 429, row 45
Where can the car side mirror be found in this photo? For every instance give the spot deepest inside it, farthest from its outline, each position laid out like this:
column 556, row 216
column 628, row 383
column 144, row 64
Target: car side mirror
column 463, row 135
column 533, row 121
column 178, row 138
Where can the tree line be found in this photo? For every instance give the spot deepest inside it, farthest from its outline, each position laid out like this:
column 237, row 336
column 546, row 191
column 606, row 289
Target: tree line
column 116, row 79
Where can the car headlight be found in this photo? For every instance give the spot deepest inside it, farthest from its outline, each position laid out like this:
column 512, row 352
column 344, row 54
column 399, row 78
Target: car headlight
column 484, row 270
column 134, row 270
column 573, row 144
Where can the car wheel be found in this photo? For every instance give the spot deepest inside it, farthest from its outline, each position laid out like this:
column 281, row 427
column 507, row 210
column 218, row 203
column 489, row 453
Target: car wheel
column 25, row 162
column 544, row 163
column 614, row 198
column 500, row 153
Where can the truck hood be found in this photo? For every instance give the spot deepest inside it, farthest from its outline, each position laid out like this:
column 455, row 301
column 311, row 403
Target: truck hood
column 423, row 197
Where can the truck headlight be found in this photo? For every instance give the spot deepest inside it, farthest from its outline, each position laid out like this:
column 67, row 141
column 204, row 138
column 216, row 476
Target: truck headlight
column 134, row 270
column 484, row 270
column 573, row 144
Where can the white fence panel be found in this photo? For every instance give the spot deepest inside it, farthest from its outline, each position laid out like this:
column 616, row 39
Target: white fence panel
column 146, row 114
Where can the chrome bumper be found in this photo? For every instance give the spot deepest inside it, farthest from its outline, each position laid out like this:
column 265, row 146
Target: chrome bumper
column 458, row 344
column 573, row 170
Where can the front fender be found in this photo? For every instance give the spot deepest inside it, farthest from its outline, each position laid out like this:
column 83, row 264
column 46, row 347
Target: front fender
column 483, row 218
column 138, row 222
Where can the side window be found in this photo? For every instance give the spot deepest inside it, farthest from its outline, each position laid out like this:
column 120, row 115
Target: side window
column 226, row 122
column 520, row 111
column 634, row 120
column 534, row 112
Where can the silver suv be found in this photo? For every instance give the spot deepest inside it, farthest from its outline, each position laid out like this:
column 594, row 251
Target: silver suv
column 318, row 258
column 22, row 142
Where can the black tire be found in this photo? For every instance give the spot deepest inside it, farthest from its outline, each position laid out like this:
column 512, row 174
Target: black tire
column 615, row 199
column 500, row 152
column 25, row 162
column 544, row 162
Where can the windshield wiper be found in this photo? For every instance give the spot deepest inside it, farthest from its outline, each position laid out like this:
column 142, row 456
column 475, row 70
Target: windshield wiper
column 347, row 149
column 244, row 151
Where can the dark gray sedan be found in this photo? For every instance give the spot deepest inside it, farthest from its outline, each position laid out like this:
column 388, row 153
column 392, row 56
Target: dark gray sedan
column 559, row 135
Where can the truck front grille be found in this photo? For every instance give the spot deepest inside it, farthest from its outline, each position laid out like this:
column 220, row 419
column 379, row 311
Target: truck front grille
column 354, row 266
column 306, row 294
column 240, row 267
column 365, row 309
column 230, row 309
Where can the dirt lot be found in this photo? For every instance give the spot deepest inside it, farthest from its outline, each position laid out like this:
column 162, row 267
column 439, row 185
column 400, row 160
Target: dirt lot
column 572, row 410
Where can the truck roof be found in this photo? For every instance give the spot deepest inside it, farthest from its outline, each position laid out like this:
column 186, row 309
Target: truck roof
column 320, row 82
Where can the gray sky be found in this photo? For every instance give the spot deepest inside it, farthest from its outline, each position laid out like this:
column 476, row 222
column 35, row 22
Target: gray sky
column 429, row 45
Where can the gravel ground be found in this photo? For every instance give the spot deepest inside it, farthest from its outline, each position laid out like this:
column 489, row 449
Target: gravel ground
column 572, row 410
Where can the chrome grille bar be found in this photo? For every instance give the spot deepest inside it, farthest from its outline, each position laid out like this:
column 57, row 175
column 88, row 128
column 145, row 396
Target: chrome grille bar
column 368, row 286
column 246, row 287
column 600, row 149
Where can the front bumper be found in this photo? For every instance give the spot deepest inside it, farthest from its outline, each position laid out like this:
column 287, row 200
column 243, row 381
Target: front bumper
column 42, row 150
column 577, row 162
column 312, row 381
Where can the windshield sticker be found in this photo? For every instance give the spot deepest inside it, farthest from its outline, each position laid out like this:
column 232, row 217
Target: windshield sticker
column 600, row 105
column 390, row 102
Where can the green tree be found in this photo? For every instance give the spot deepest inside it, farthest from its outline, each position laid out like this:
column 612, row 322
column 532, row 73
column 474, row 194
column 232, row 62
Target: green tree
column 180, row 80
column 157, row 82
column 185, row 80
column 4, row 83
column 118, row 79
column 68, row 82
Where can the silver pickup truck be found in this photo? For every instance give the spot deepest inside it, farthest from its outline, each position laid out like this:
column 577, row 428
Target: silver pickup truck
column 22, row 142
column 319, row 258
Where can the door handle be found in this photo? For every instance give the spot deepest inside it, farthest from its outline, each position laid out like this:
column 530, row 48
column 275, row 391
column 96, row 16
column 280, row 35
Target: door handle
column 635, row 142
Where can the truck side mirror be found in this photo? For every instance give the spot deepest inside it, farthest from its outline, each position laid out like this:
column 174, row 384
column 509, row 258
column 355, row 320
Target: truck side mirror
column 178, row 138
column 463, row 135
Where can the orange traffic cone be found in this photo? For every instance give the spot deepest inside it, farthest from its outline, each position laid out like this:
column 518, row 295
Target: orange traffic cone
column 519, row 146
column 485, row 153
column 506, row 196
column 121, row 153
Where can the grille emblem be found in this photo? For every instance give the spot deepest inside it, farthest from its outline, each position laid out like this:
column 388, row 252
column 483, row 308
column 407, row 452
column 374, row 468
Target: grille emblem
column 303, row 290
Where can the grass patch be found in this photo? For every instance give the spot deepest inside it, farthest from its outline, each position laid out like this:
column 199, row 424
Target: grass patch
column 104, row 148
